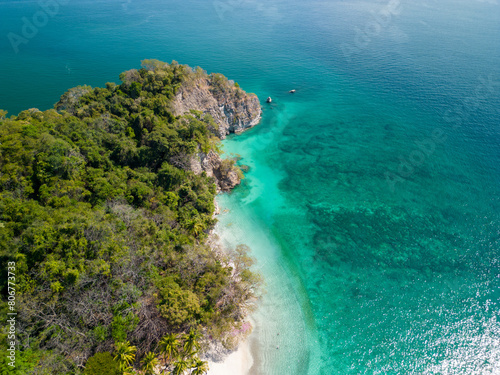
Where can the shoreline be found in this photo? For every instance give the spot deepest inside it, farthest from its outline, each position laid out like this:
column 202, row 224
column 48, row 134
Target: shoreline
column 238, row 362
column 241, row 360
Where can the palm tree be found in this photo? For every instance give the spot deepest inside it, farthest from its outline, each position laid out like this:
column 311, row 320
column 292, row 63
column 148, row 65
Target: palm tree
column 199, row 367
column 125, row 354
column 191, row 342
column 194, row 227
column 181, row 366
column 149, row 362
column 169, row 347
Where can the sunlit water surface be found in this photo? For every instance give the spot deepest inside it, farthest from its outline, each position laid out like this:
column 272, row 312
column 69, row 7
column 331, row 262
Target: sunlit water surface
column 372, row 199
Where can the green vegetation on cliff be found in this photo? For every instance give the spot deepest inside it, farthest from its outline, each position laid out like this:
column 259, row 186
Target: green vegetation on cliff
column 107, row 227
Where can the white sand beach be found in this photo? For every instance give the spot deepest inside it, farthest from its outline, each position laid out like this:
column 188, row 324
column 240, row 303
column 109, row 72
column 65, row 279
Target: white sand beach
column 237, row 363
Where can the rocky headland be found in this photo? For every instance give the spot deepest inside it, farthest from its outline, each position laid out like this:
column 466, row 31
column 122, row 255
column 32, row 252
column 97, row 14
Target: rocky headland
column 233, row 111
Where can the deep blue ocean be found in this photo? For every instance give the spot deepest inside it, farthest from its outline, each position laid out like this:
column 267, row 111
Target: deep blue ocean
column 372, row 202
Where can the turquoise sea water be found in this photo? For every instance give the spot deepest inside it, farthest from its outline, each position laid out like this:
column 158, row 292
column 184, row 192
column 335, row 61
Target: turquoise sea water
column 372, row 203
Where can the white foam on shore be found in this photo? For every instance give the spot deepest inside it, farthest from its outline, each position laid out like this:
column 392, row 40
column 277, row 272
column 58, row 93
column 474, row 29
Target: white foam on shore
column 237, row 363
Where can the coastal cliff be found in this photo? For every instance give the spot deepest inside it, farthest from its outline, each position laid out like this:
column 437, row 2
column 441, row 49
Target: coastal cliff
column 232, row 109
column 219, row 103
column 225, row 173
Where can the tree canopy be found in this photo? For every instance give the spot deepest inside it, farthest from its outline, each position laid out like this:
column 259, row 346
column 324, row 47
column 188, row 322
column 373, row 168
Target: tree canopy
column 106, row 227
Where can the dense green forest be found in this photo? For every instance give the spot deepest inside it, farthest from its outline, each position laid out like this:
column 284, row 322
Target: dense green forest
column 108, row 234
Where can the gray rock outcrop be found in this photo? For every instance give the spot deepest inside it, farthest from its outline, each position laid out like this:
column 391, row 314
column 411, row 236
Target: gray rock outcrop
column 232, row 109
column 223, row 171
